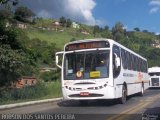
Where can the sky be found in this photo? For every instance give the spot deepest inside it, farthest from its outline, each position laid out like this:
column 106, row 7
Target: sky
column 144, row 14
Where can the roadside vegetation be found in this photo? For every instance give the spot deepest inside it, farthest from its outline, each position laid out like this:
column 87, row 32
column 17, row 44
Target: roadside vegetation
column 42, row 90
column 25, row 49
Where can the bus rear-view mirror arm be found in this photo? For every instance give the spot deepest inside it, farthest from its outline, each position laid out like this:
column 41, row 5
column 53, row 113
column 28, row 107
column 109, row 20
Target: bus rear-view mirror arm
column 57, row 59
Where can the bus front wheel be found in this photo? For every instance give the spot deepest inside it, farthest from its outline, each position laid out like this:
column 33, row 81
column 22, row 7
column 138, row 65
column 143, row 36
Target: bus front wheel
column 123, row 99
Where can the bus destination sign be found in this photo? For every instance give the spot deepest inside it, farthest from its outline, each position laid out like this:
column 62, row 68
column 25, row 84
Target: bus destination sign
column 87, row 45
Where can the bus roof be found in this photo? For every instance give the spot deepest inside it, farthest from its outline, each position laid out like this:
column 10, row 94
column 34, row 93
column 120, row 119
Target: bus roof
column 104, row 39
column 154, row 69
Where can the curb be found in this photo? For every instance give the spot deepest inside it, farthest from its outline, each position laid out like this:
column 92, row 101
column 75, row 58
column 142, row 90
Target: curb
column 28, row 103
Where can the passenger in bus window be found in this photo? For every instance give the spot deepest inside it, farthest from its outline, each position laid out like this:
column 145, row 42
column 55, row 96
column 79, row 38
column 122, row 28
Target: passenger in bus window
column 102, row 66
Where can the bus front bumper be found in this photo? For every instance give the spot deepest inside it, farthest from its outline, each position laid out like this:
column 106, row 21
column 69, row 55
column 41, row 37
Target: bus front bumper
column 107, row 92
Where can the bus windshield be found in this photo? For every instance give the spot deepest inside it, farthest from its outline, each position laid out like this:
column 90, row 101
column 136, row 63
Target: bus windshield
column 86, row 65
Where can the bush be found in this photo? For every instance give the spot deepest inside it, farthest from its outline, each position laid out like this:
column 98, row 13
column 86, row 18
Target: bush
column 40, row 90
column 50, row 76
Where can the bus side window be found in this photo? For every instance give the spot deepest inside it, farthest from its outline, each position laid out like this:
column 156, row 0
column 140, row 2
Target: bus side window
column 136, row 61
column 127, row 56
column 146, row 68
column 124, row 58
column 116, row 61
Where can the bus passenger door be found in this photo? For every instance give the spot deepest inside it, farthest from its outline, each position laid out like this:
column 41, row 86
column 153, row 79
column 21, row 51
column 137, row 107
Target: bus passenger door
column 116, row 61
column 116, row 71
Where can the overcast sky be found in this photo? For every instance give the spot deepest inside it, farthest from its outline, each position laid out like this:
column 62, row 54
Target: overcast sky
column 144, row 14
column 78, row 10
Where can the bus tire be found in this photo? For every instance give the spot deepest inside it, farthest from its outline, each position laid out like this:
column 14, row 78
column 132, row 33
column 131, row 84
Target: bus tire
column 123, row 99
column 141, row 93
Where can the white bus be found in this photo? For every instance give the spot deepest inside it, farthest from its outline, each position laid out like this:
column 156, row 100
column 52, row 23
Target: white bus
column 101, row 69
column 154, row 73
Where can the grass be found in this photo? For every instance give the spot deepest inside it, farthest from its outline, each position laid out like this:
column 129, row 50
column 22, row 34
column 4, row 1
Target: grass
column 43, row 90
column 60, row 38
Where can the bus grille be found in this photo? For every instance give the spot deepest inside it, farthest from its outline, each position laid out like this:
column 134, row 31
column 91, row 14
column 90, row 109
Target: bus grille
column 90, row 95
column 155, row 81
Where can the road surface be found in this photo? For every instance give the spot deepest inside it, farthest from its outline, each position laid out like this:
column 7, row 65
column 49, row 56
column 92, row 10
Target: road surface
column 94, row 110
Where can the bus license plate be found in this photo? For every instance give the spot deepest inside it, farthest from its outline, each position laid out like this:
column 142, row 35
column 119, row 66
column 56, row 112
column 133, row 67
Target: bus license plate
column 84, row 93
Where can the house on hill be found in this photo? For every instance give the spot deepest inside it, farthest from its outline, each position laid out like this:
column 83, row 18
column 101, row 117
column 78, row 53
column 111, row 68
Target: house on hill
column 56, row 25
column 22, row 25
column 156, row 44
column 75, row 25
column 85, row 32
column 16, row 24
column 8, row 24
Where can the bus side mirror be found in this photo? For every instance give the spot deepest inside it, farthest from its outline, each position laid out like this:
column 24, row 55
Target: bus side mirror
column 117, row 61
column 58, row 55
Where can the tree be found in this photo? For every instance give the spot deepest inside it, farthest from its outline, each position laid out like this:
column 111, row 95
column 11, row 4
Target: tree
column 42, row 52
column 145, row 31
column 10, row 37
column 118, row 32
column 106, row 28
column 6, row 14
column 106, row 34
column 137, row 29
column 96, row 29
column 12, row 63
column 62, row 20
column 68, row 23
column 14, row 2
column 15, row 58
column 24, row 14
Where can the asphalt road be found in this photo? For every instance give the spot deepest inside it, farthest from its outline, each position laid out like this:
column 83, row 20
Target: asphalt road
column 94, row 110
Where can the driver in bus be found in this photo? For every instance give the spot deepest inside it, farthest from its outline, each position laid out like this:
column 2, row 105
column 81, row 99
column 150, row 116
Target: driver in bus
column 102, row 67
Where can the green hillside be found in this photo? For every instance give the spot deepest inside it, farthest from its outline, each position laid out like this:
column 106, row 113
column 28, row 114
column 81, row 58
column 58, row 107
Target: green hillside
column 139, row 41
column 58, row 37
column 45, row 30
